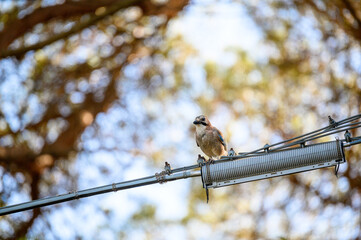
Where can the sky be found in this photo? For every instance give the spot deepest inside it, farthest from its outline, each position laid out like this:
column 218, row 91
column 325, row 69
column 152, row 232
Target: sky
column 213, row 27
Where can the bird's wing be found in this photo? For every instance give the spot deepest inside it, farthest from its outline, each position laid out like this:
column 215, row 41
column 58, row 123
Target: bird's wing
column 221, row 139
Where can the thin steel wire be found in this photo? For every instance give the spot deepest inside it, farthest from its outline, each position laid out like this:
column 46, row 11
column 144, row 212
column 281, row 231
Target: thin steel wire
column 337, row 127
column 320, row 133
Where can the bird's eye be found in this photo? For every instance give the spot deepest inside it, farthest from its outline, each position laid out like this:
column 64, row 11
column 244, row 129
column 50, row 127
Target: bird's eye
column 202, row 119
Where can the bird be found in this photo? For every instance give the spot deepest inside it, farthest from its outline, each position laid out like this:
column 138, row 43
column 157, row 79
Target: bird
column 209, row 138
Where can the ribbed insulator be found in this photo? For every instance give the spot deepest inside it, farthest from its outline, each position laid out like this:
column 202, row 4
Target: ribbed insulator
column 273, row 164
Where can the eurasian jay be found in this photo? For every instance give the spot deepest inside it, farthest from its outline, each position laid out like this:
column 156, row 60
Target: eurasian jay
column 209, row 138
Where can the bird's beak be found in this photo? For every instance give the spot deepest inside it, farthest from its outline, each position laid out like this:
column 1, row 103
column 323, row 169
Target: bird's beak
column 196, row 122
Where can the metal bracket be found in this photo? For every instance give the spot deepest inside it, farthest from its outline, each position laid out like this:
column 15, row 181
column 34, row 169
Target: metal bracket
column 76, row 194
column 207, row 194
column 332, row 122
column 231, row 152
column 114, row 187
column 161, row 176
column 207, row 163
column 348, row 136
column 337, row 167
column 266, row 148
column 201, row 160
column 167, row 168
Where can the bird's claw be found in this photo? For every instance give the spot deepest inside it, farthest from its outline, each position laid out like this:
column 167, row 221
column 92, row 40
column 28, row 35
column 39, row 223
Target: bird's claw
column 210, row 161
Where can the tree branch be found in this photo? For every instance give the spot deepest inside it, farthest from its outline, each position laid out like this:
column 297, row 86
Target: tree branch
column 355, row 33
column 75, row 29
column 19, row 27
column 22, row 228
column 352, row 12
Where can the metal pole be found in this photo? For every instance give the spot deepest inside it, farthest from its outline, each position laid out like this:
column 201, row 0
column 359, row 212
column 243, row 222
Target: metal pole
column 158, row 178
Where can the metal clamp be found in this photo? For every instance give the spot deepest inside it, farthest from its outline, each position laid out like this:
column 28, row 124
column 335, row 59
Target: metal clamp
column 231, row 152
column 332, row 122
column 337, row 167
column 76, row 195
column 348, row 136
column 167, row 168
column 114, row 187
column 207, row 194
column 201, row 160
column 266, row 148
column 161, row 177
column 167, row 171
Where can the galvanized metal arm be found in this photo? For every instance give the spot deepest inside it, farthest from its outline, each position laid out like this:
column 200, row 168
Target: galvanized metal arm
column 157, row 178
column 282, row 158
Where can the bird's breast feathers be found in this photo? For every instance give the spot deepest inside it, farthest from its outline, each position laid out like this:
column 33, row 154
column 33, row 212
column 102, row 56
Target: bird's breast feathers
column 205, row 135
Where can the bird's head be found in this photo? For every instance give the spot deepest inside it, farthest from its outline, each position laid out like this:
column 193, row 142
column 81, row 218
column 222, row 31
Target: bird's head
column 202, row 120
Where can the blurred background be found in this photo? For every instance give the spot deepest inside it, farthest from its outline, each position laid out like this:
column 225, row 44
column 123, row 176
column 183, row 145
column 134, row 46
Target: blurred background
column 96, row 92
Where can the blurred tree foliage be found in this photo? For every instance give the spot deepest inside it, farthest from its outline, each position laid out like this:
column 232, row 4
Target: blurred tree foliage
column 312, row 69
column 63, row 65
